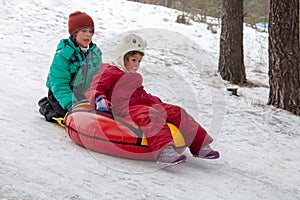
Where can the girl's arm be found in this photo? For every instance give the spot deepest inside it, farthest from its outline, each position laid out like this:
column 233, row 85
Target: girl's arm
column 100, row 86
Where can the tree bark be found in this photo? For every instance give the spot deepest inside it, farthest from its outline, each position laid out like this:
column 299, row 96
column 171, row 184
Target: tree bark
column 284, row 56
column 231, row 59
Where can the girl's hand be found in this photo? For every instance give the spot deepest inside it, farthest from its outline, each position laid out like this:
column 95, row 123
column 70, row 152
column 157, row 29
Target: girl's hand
column 102, row 104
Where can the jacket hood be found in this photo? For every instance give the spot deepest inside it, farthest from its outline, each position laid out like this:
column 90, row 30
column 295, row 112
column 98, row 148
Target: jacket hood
column 130, row 42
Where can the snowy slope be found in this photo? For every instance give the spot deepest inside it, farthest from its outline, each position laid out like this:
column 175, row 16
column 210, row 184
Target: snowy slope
column 259, row 144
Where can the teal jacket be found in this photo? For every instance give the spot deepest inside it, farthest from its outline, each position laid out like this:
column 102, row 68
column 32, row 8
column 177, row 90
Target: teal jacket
column 72, row 71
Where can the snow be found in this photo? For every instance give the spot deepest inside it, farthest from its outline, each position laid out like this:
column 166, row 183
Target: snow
column 259, row 144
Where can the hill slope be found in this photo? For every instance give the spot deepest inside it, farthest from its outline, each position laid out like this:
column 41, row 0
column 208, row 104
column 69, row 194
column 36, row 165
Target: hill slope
column 259, row 145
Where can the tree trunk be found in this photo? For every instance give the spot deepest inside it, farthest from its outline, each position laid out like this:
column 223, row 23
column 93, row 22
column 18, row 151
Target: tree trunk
column 284, row 56
column 231, row 59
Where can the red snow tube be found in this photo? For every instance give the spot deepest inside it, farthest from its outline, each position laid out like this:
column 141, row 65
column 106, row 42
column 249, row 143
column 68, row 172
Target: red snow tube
column 101, row 132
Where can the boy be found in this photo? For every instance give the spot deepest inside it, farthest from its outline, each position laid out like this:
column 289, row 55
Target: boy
column 76, row 61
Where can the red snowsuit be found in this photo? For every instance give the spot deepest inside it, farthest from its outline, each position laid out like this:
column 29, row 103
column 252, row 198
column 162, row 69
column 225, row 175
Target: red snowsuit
column 129, row 99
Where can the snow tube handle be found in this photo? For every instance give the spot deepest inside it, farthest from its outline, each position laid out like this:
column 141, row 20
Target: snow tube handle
column 112, row 112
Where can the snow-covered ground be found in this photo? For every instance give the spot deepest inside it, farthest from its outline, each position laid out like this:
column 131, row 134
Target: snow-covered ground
column 259, row 144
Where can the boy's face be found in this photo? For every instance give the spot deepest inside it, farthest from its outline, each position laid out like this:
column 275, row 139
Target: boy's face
column 132, row 64
column 84, row 37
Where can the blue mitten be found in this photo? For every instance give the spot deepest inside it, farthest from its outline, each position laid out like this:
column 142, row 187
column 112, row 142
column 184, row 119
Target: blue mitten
column 102, row 104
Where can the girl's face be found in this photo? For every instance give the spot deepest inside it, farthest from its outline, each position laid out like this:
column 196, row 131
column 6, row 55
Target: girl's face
column 84, row 37
column 132, row 63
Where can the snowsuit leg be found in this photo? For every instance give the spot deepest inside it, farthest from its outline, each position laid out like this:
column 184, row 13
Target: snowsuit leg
column 55, row 105
column 49, row 108
column 152, row 120
column 195, row 136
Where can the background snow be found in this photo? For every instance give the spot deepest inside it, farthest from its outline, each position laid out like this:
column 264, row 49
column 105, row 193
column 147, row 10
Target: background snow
column 259, row 144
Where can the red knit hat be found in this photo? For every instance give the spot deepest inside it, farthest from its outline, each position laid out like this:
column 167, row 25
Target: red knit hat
column 79, row 20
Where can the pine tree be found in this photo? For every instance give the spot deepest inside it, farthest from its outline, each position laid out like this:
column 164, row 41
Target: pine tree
column 284, row 56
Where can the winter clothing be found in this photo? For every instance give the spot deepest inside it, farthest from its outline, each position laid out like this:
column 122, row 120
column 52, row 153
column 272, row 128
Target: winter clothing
column 49, row 107
column 129, row 99
column 46, row 109
column 79, row 20
column 131, row 42
column 169, row 155
column 102, row 104
column 71, row 71
column 207, row 152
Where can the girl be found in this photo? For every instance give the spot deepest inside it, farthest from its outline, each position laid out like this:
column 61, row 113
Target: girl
column 118, row 84
column 76, row 61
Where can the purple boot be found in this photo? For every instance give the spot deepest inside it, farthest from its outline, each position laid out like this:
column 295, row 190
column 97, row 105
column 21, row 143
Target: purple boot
column 207, row 152
column 169, row 156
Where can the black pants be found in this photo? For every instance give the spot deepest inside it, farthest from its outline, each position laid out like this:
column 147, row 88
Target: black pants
column 49, row 108
column 55, row 105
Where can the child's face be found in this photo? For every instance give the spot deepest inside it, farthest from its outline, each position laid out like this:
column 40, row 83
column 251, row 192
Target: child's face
column 132, row 64
column 84, row 37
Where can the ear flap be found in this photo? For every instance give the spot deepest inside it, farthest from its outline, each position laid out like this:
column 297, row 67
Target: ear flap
column 137, row 41
column 144, row 43
column 127, row 38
